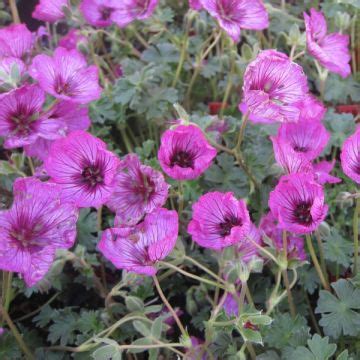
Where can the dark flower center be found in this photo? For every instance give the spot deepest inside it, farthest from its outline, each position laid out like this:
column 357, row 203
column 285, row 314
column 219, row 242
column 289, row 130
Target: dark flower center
column 61, row 86
column 299, row 148
column 92, row 176
column 146, row 187
column 355, row 165
column 302, row 213
column 229, row 222
column 105, row 13
column 184, row 159
column 22, row 121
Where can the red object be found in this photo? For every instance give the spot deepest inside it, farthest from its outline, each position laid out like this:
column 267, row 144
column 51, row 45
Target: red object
column 348, row 109
column 249, row 325
column 215, row 107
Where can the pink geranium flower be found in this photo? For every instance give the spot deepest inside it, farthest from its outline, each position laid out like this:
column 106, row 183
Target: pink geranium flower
column 99, row 13
column 247, row 248
column 234, row 15
column 50, row 10
column 37, row 224
column 15, row 40
column 69, row 117
column 184, row 152
column 295, row 245
column 20, row 122
column 83, row 167
column 322, row 172
column 308, row 138
column 274, row 88
column 350, row 157
column 72, row 38
column 130, row 10
column 139, row 189
column 291, row 161
column 138, row 248
column 332, row 50
column 298, row 203
column 231, row 306
column 311, row 109
column 66, row 76
column 195, row 4
column 219, row 220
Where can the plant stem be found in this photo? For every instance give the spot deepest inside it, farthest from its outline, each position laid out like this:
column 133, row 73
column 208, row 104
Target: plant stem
column 192, row 276
column 16, row 334
column 7, row 296
column 242, row 296
column 181, row 60
column 316, row 262
column 14, row 11
column 204, row 268
column 229, row 82
column 31, row 165
column 180, row 198
column 321, row 253
column 286, row 279
column 298, row 55
column 356, row 235
column 99, row 218
column 198, row 68
column 170, row 308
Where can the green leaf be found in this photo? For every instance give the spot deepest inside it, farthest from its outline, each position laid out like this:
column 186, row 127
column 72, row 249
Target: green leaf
column 63, row 328
column 142, row 328
column 87, row 229
column 107, row 352
column 226, row 176
column 163, row 53
column 156, row 328
column 251, row 336
column 133, row 303
column 143, row 342
column 338, row 315
column 308, row 278
column 344, row 356
column 337, row 249
column 340, row 90
column 318, row 349
column 286, row 331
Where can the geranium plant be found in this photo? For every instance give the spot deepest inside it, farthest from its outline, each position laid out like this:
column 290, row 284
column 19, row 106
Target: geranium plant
column 178, row 180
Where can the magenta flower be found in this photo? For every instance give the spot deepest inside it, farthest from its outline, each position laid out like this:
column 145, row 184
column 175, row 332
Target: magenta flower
column 66, row 76
column 139, row 189
column 234, row 15
column 184, row 152
column 246, row 248
column 219, row 220
column 83, row 167
column 15, row 40
column 20, row 122
column 350, row 157
column 291, row 161
column 99, row 13
column 322, row 172
column 308, row 138
column 50, row 10
column 138, row 248
column 298, row 203
column 295, row 245
column 332, row 50
column 231, row 306
column 69, row 117
column 72, row 38
column 130, row 10
column 274, row 87
column 37, row 224
column 311, row 109
column 7, row 66
column 195, row 4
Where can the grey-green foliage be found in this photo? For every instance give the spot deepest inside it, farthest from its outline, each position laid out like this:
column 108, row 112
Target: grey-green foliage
column 339, row 312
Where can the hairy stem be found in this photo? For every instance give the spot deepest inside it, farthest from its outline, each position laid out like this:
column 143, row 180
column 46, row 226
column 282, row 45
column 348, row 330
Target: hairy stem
column 316, row 263
column 170, row 308
column 356, row 235
column 14, row 11
column 24, row 348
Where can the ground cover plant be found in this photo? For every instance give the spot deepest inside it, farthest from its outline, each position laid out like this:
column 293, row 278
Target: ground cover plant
column 179, row 179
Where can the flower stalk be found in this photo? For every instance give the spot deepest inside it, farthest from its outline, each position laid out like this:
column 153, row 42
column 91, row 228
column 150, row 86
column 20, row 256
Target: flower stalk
column 356, row 235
